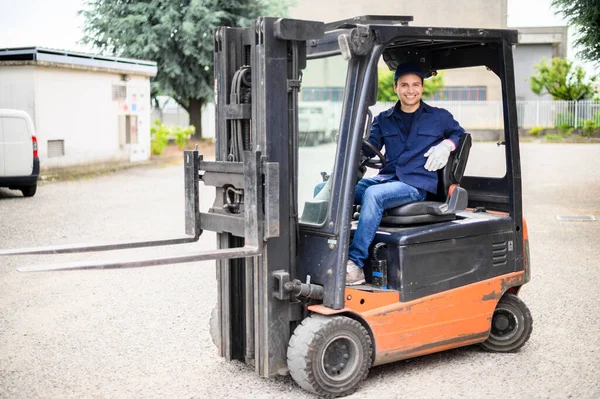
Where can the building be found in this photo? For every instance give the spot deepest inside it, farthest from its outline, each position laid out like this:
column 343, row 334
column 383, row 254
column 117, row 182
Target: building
column 467, row 84
column 86, row 108
column 534, row 45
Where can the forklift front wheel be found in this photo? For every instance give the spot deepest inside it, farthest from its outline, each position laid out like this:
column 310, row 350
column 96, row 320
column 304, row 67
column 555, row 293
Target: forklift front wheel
column 329, row 356
column 511, row 325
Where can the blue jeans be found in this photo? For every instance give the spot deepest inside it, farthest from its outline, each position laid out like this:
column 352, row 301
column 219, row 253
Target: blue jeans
column 375, row 195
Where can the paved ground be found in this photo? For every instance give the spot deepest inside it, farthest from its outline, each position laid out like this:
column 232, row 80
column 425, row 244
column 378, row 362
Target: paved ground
column 143, row 333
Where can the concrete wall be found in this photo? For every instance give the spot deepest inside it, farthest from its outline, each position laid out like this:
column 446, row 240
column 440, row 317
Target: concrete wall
column 535, row 44
column 17, row 89
column 77, row 107
column 526, row 56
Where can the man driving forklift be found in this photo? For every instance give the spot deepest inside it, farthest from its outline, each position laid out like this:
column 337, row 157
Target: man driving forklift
column 418, row 140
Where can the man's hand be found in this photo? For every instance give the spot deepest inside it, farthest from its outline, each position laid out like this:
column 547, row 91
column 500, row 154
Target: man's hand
column 438, row 155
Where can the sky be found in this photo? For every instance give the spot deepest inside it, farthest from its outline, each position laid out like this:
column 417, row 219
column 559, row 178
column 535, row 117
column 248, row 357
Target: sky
column 55, row 23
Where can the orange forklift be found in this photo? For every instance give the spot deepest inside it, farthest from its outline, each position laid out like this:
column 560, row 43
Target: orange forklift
column 441, row 274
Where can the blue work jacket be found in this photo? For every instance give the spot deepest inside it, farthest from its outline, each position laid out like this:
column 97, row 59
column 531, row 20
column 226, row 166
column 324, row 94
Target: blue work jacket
column 405, row 152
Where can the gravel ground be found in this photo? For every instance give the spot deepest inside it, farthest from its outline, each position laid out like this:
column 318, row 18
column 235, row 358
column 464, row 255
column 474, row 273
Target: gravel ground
column 144, row 333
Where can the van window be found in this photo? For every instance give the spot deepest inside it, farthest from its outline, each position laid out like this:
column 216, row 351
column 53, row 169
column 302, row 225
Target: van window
column 15, row 130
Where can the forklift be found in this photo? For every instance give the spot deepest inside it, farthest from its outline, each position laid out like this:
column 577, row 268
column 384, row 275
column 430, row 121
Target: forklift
column 441, row 274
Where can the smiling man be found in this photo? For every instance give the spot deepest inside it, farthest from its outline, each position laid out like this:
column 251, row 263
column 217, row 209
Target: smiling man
column 418, row 140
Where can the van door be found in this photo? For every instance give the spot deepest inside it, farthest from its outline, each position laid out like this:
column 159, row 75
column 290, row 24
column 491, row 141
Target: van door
column 18, row 147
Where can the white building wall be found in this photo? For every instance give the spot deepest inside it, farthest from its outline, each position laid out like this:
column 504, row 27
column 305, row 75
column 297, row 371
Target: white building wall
column 17, row 89
column 138, row 103
column 77, row 106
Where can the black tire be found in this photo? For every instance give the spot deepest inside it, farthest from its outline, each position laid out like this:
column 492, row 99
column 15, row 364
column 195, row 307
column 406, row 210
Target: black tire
column 29, row 191
column 512, row 325
column 329, row 356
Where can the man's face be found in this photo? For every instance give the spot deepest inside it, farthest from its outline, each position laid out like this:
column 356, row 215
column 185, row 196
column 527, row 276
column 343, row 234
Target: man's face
column 409, row 89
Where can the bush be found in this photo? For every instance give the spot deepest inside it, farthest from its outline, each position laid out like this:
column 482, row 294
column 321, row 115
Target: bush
column 564, row 121
column 589, row 125
column 159, row 136
column 554, row 136
column 183, row 135
column 566, row 131
column 536, row 130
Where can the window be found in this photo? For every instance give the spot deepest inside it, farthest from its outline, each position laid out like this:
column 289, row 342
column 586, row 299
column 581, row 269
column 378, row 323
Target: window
column 319, row 115
column 461, row 93
column 15, row 130
column 334, row 94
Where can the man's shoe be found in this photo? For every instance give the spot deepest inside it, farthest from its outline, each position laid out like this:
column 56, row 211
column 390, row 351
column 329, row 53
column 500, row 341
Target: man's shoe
column 354, row 274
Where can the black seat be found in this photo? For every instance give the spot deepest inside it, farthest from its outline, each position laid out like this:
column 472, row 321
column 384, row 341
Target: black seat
column 449, row 199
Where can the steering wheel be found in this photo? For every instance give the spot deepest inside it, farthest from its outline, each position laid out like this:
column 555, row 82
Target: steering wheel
column 377, row 162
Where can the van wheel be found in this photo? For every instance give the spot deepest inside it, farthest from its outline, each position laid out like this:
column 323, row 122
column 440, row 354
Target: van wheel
column 329, row 356
column 511, row 325
column 29, row 191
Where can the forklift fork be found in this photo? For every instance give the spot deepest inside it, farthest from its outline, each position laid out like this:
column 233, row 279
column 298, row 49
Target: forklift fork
column 252, row 176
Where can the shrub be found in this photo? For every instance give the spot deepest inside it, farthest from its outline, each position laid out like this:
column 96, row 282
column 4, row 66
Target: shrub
column 554, row 136
column 589, row 125
column 566, row 130
column 159, row 136
column 183, row 135
column 535, row 131
column 564, row 121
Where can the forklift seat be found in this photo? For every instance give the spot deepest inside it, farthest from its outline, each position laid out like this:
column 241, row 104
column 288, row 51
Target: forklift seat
column 449, row 199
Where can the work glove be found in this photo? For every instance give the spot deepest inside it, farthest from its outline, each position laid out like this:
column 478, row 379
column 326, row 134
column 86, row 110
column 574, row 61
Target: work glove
column 437, row 156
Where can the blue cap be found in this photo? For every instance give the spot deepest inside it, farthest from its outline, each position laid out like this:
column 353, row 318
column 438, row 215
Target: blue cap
column 409, row 67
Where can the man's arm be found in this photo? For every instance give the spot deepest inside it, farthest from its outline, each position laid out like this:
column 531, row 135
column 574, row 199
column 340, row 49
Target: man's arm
column 437, row 156
column 375, row 138
column 453, row 130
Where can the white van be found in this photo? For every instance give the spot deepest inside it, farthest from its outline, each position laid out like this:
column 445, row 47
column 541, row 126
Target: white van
column 19, row 162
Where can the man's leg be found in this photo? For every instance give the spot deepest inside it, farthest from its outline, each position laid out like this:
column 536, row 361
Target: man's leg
column 361, row 187
column 376, row 199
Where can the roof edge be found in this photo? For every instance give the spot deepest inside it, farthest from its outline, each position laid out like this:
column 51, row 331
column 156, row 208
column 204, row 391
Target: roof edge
column 99, row 69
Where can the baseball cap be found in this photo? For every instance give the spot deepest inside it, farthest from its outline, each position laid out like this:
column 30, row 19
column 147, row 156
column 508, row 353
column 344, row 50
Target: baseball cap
column 409, row 67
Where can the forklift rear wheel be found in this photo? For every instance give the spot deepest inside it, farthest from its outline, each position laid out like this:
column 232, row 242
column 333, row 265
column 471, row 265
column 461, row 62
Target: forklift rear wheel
column 329, row 356
column 511, row 325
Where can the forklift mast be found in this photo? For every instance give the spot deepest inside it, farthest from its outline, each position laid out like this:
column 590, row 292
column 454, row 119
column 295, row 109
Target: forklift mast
column 257, row 79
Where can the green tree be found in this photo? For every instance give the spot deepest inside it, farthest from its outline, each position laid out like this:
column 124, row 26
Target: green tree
column 178, row 35
column 584, row 16
column 385, row 85
column 561, row 80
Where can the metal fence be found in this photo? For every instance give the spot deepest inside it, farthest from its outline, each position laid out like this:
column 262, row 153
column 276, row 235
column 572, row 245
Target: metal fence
column 558, row 113
column 470, row 114
column 547, row 114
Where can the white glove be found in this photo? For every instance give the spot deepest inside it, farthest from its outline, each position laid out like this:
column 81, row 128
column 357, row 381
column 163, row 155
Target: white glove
column 438, row 155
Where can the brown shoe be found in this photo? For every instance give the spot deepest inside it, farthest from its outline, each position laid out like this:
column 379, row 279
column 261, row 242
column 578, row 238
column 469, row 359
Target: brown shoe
column 354, row 274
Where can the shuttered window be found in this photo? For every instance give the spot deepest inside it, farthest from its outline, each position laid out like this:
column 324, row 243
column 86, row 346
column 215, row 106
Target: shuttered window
column 119, row 92
column 56, row 148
